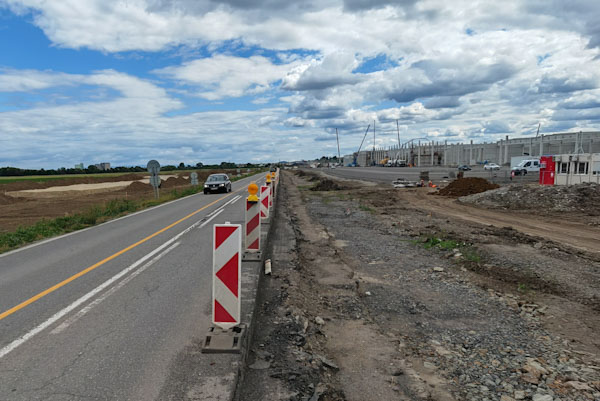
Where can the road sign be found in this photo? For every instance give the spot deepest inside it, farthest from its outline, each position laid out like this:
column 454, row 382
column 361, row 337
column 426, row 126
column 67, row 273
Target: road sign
column 227, row 262
column 155, row 181
column 194, row 178
column 153, row 167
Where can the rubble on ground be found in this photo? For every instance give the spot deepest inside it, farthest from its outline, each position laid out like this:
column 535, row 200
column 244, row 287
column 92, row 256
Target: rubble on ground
column 573, row 198
column 467, row 186
column 326, row 185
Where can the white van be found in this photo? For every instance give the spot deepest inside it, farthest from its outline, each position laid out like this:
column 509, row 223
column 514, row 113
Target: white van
column 527, row 166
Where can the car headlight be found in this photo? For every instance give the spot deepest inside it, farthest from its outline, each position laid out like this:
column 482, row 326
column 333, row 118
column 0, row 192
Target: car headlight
column 221, row 185
column 205, row 185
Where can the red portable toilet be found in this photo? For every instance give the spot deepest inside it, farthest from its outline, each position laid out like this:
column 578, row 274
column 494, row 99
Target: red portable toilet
column 547, row 170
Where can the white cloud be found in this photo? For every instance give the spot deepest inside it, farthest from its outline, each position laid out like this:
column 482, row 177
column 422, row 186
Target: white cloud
column 227, row 76
column 456, row 70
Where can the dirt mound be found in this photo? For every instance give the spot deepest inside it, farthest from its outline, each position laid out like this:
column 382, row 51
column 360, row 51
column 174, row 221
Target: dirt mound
column 138, row 186
column 541, row 199
column 467, row 186
column 173, row 182
column 326, row 185
column 9, row 200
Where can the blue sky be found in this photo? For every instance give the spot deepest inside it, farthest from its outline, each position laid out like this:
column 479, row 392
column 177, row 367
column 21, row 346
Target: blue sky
column 261, row 80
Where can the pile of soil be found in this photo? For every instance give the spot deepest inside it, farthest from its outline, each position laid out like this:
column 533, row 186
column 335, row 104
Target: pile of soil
column 9, row 200
column 326, row 185
column 467, row 186
column 541, row 199
column 173, row 182
column 138, row 186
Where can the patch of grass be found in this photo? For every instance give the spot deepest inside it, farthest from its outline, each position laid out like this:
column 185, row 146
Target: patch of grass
column 441, row 243
column 47, row 228
column 366, row 208
column 304, row 187
column 471, row 254
column 522, row 287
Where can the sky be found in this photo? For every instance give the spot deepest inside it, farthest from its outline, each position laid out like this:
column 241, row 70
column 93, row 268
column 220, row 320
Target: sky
column 192, row 81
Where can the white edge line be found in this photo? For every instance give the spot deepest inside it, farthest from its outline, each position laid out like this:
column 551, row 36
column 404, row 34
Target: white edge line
column 58, row 315
column 42, row 242
column 111, row 291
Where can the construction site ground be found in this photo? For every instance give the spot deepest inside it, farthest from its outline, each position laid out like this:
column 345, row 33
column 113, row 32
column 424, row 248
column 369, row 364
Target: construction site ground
column 397, row 294
column 26, row 202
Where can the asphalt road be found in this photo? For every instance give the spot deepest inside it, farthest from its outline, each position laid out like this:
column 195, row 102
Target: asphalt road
column 389, row 174
column 113, row 331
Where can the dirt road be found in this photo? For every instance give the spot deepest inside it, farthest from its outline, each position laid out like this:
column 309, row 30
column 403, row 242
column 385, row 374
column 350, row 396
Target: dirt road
column 562, row 231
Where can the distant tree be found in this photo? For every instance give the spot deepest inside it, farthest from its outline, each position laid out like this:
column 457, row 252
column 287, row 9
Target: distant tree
column 92, row 169
column 199, row 165
column 227, row 165
column 181, row 166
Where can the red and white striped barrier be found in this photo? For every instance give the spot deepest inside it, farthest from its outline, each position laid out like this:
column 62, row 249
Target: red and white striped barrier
column 252, row 226
column 264, row 201
column 227, row 278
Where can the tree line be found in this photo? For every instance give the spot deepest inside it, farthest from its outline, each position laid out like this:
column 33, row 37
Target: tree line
column 92, row 169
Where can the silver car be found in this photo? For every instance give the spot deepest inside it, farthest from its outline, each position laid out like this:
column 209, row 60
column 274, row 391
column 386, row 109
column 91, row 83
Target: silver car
column 217, row 183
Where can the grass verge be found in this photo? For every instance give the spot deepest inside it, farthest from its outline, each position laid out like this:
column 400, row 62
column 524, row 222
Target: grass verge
column 47, row 228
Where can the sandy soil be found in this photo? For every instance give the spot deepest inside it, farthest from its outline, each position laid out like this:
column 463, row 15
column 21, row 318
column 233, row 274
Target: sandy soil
column 61, row 190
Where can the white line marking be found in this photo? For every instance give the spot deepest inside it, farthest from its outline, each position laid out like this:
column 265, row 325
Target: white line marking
column 111, row 291
column 58, row 315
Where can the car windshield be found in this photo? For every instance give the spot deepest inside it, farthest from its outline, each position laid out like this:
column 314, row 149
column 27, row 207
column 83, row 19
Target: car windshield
column 214, row 178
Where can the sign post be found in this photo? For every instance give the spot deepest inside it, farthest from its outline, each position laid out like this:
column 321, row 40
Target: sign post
column 154, row 168
column 194, row 178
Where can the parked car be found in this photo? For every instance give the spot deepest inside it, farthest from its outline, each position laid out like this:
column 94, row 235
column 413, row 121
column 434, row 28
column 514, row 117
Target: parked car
column 491, row 166
column 464, row 168
column 527, row 166
column 217, row 183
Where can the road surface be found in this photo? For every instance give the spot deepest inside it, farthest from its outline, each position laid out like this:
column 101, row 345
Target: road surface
column 102, row 313
column 389, row 174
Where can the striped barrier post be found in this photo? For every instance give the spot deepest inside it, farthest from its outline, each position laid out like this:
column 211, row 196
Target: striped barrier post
column 227, row 262
column 252, row 220
column 264, row 202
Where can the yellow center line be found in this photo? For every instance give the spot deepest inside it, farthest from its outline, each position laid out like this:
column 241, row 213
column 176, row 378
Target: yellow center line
column 108, row 259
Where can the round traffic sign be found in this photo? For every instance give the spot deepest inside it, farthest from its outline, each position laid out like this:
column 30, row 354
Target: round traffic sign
column 153, row 167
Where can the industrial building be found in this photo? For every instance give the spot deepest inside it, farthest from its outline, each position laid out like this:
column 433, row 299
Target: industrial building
column 576, row 168
column 436, row 153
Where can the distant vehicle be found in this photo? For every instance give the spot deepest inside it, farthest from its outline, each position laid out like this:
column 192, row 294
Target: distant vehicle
column 527, row 166
column 273, row 169
column 491, row 166
column 464, row 167
column 217, row 183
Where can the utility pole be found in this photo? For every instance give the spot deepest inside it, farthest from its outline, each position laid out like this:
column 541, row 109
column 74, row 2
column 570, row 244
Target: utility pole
column 373, row 154
column 398, row 130
column 338, row 143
